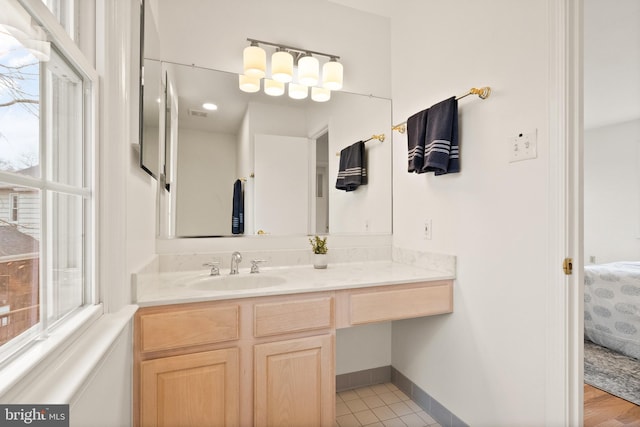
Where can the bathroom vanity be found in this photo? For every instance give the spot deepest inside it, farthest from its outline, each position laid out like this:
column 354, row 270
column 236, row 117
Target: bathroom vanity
column 263, row 355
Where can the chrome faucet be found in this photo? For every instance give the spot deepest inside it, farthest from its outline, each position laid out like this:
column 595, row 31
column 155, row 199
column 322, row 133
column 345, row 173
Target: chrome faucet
column 214, row 267
column 235, row 260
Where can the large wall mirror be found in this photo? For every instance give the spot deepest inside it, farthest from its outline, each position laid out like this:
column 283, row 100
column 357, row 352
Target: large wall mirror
column 282, row 151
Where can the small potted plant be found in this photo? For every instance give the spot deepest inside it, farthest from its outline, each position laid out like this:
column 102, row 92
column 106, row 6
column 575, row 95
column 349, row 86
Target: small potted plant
column 320, row 249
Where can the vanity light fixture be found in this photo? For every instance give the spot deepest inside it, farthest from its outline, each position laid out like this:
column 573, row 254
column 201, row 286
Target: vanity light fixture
column 297, row 91
column 254, row 60
column 308, row 70
column 282, row 66
column 210, row 106
column 320, row 94
column 332, row 73
column 283, row 61
column 273, row 88
column 248, row 83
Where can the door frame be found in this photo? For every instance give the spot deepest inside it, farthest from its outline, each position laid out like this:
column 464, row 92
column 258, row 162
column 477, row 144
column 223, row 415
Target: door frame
column 564, row 393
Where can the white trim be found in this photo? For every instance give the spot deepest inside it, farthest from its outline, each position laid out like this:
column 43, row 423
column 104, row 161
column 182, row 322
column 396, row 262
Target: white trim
column 563, row 384
column 33, row 362
column 65, row 376
column 60, row 37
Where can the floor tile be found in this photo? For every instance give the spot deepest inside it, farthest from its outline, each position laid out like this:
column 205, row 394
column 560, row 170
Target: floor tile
column 356, row 405
column 380, row 388
column 394, row 422
column 348, row 395
column 413, row 420
column 389, row 398
column 384, row 413
column 400, row 408
column 342, row 409
column 401, row 395
column 365, row 391
column 413, row 405
column 380, row 405
column 426, row 417
column 366, row 417
column 348, row 421
column 373, row 401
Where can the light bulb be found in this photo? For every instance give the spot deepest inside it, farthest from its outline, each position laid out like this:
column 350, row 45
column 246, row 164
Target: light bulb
column 308, row 71
column 297, row 91
column 248, row 83
column 320, row 94
column 282, row 66
column 273, row 88
column 332, row 73
column 254, row 61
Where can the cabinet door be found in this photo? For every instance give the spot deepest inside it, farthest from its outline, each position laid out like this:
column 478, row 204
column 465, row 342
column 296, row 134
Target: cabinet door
column 199, row 389
column 295, row 383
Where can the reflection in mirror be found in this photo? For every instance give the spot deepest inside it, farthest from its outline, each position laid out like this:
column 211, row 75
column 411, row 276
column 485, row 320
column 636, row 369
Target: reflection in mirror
column 150, row 126
column 150, row 92
column 282, row 150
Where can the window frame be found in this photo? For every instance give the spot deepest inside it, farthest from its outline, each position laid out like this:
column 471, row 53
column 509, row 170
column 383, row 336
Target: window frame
column 26, row 353
column 13, row 207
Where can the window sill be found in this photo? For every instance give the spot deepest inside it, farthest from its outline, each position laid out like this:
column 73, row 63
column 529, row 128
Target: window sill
column 53, row 370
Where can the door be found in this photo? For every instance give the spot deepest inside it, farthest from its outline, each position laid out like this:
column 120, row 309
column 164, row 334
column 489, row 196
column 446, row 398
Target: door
column 199, row 389
column 294, row 382
column 281, row 184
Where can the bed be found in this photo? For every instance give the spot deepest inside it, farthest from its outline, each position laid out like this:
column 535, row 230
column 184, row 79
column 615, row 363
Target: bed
column 612, row 306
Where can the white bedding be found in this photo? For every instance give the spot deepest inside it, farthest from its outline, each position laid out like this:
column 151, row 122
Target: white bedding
column 612, row 306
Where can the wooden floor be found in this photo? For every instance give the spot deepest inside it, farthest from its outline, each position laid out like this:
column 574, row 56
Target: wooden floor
column 604, row 410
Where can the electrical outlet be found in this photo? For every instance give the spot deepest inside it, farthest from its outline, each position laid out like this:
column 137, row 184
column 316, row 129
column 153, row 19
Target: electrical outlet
column 523, row 147
column 427, row 229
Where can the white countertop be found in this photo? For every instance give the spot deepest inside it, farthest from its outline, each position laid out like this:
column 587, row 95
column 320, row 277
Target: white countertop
column 152, row 289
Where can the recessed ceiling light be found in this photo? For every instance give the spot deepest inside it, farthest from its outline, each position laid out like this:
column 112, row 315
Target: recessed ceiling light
column 209, row 106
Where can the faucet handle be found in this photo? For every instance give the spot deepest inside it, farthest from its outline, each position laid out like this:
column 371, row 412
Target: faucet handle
column 254, row 265
column 215, row 271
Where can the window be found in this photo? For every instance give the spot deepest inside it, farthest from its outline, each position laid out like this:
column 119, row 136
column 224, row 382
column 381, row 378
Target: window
column 46, row 182
column 14, row 208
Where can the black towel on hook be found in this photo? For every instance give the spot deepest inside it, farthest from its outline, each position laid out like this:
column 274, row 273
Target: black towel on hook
column 416, row 130
column 441, row 151
column 352, row 171
column 237, row 216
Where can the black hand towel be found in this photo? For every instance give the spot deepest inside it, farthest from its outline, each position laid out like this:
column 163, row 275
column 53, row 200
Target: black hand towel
column 416, row 130
column 237, row 216
column 352, row 171
column 441, row 154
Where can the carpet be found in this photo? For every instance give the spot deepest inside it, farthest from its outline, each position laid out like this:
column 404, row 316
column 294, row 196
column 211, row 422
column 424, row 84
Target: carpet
column 612, row 372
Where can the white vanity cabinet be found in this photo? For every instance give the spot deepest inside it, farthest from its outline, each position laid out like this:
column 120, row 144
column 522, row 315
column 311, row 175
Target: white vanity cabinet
column 260, row 361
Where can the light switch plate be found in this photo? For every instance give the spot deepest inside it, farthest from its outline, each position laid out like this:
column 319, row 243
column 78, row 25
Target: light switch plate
column 524, row 146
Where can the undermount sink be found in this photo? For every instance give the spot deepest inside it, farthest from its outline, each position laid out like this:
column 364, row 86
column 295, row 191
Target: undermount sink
column 235, row 282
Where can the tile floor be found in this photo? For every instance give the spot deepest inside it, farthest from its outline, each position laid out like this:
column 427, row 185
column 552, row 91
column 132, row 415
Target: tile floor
column 380, row 405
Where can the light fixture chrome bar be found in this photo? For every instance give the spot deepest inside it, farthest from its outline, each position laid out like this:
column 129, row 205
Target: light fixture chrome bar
column 295, row 49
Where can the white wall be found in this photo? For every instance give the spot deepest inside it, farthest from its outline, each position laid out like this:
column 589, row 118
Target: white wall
column 206, row 173
column 486, row 361
column 110, row 382
column 612, row 192
column 367, row 209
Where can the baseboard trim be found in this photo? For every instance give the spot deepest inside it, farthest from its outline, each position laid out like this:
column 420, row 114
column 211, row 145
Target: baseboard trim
column 363, row 378
column 385, row 374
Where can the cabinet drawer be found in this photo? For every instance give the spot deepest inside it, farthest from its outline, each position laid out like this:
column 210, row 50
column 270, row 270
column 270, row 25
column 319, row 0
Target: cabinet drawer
column 188, row 327
column 380, row 306
column 292, row 316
